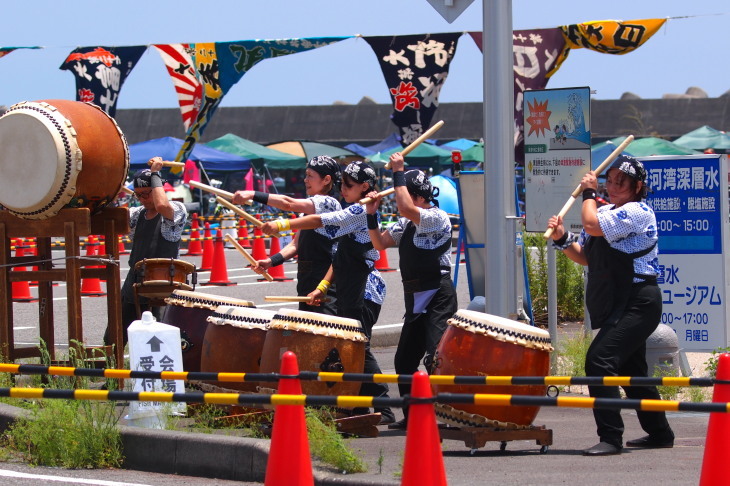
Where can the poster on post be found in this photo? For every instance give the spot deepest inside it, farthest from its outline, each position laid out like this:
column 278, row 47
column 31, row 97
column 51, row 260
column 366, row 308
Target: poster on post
column 689, row 195
column 557, row 153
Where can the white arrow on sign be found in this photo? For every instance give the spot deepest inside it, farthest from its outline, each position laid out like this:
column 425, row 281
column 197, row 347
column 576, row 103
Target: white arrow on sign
column 450, row 9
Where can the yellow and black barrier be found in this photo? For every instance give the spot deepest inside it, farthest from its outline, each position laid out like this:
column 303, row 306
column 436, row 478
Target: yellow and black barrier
column 347, row 401
column 114, row 373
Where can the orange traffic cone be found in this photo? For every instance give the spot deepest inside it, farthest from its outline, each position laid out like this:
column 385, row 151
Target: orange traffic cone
column 259, row 245
column 423, row 464
column 276, row 272
column 207, row 261
column 32, row 246
column 289, row 462
column 122, row 248
column 195, row 247
column 219, row 273
column 91, row 287
column 243, row 238
column 21, row 290
column 717, row 454
column 382, row 263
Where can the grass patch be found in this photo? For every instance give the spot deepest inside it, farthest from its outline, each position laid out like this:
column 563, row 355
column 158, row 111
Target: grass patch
column 571, row 359
column 328, row 445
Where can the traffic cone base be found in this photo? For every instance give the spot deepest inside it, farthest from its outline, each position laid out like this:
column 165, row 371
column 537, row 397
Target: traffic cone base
column 289, row 461
column 219, row 272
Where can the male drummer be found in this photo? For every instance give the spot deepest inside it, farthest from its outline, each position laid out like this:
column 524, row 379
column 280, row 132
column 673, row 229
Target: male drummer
column 157, row 226
column 423, row 236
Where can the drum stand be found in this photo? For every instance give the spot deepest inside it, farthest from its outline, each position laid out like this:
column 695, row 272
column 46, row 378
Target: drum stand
column 69, row 224
column 477, row 437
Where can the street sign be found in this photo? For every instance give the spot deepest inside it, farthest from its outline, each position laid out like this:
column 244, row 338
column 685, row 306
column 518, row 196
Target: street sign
column 450, row 9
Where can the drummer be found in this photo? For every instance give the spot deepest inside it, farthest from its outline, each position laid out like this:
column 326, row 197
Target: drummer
column 314, row 248
column 157, row 226
column 360, row 287
column 423, row 236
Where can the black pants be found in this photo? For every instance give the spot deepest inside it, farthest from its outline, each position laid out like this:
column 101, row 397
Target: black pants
column 420, row 337
column 620, row 350
column 372, row 311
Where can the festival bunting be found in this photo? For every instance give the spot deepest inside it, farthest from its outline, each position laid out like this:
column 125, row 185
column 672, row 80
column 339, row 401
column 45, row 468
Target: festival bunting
column 4, row 51
column 537, row 55
column 611, row 36
column 415, row 69
column 204, row 72
column 100, row 72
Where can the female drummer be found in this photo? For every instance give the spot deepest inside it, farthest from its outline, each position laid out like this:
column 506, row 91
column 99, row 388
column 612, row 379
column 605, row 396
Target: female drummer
column 360, row 288
column 157, row 226
column 618, row 243
column 313, row 246
column 423, row 237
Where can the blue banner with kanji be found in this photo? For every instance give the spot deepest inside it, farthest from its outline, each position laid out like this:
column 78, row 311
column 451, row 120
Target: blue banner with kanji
column 100, row 72
column 415, row 69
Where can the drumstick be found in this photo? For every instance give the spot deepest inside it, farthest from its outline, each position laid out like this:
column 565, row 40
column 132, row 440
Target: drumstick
column 419, row 140
column 167, row 163
column 248, row 256
column 598, row 170
column 384, row 193
column 127, row 190
column 243, row 214
column 288, row 298
column 213, row 190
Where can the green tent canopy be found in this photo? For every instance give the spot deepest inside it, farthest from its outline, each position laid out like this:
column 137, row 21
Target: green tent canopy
column 703, row 138
column 258, row 154
column 644, row 147
column 473, row 154
column 425, row 155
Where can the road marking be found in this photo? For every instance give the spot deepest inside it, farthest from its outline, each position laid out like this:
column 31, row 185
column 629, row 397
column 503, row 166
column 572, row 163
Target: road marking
column 60, row 479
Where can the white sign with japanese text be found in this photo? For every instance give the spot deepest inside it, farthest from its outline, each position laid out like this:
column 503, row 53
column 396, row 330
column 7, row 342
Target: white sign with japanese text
column 690, row 198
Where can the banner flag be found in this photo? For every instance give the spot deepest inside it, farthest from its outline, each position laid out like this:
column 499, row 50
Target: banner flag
column 415, row 68
column 4, row 51
column 204, row 72
column 537, row 55
column 100, row 72
column 611, row 36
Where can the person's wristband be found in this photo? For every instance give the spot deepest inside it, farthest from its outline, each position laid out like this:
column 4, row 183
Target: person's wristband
column 589, row 194
column 372, row 221
column 261, row 197
column 561, row 241
column 276, row 259
column 323, row 286
column 399, row 178
column 155, row 180
column 283, row 225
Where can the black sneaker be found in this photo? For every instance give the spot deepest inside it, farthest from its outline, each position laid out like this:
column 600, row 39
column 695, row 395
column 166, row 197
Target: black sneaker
column 399, row 425
column 386, row 416
column 649, row 442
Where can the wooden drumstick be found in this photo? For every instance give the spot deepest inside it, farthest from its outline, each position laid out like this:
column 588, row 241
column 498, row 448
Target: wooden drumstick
column 248, row 256
column 384, row 193
column 435, row 128
column 127, row 190
column 611, row 157
column 167, row 163
column 243, row 214
column 213, row 190
column 288, row 298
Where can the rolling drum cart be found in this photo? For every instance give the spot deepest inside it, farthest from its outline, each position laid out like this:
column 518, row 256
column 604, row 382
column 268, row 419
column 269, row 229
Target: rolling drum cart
column 477, row 437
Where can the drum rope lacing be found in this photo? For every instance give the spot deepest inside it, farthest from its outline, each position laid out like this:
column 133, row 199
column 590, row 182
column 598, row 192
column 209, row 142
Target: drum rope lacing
column 314, row 322
column 499, row 330
column 33, row 263
column 246, row 319
column 197, row 302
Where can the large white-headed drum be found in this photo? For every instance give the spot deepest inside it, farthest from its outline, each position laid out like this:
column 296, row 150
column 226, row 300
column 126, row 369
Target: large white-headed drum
column 57, row 154
column 321, row 343
column 233, row 343
column 190, row 311
column 485, row 345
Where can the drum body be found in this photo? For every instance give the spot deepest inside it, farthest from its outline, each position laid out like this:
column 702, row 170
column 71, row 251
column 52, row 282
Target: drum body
column 57, row 154
column 321, row 343
column 161, row 276
column 189, row 311
column 478, row 344
column 233, row 343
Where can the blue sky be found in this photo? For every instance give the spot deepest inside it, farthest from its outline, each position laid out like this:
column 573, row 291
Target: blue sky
column 687, row 52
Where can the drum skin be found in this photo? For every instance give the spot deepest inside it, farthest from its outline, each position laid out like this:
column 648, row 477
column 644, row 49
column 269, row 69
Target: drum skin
column 233, row 349
column 91, row 158
column 461, row 352
column 315, row 352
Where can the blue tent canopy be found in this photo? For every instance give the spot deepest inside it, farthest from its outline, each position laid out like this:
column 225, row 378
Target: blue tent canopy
column 601, row 151
column 386, row 144
column 458, row 144
column 211, row 159
column 447, row 198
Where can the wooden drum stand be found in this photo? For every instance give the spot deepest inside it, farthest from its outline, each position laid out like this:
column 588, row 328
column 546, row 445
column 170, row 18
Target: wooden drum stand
column 71, row 224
